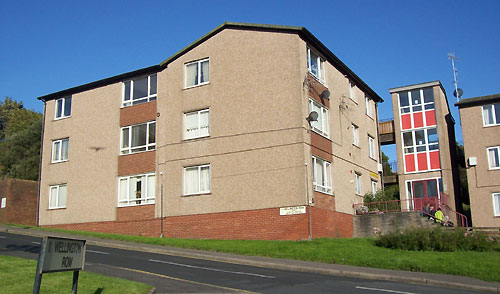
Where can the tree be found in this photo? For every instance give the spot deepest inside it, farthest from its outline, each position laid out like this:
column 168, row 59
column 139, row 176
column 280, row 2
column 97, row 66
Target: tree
column 20, row 139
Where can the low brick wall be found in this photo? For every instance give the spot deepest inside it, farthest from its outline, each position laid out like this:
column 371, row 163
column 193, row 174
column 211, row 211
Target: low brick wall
column 365, row 225
column 21, row 201
column 261, row 224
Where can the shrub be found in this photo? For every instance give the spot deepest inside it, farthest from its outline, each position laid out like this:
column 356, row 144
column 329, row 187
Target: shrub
column 382, row 195
column 437, row 239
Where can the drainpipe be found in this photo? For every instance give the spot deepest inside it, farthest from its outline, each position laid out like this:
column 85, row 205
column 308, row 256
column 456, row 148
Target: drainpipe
column 40, row 166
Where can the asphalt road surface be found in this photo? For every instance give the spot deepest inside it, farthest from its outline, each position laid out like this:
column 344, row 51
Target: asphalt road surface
column 176, row 274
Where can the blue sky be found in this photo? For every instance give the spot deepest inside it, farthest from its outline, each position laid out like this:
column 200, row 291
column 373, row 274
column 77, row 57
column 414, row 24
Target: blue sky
column 47, row 46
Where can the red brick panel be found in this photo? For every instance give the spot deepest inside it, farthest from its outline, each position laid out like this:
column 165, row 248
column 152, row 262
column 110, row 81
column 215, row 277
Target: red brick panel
column 21, row 201
column 315, row 90
column 324, row 201
column 138, row 114
column 137, row 163
column 321, row 147
column 331, row 224
column 134, row 213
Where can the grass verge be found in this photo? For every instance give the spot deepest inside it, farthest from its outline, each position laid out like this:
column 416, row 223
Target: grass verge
column 18, row 275
column 356, row 252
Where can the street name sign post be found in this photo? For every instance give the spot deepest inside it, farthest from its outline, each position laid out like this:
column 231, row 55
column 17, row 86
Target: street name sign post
column 59, row 255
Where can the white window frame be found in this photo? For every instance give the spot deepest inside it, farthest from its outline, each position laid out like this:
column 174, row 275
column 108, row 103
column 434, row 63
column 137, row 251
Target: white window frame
column 58, row 199
column 352, row 91
column 322, row 126
column 357, row 184
column 64, row 101
column 4, row 203
column 355, row 135
column 150, row 96
column 493, row 113
column 369, row 106
column 490, row 166
column 326, row 170
column 198, row 167
column 197, row 82
column 371, row 147
column 198, row 135
column 60, row 152
column 424, row 105
column 130, row 149
column 496, row 206
column 145, row 197
column 374, row 186
column 321, row 66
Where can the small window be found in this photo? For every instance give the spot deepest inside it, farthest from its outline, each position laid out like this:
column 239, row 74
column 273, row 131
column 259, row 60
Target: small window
column 352, row 91
column 197, row 179
column 63, row 108
column 491, row 114
column 321, row 125
column 371, row 147
column 138, row 138
column 355, row 135
column 57, row 196
column 197, row 73
column 4, row 203
column 139, row 90
column 357, row 183
column 496, row 204
column 322, row 175
column 374, row 187
column 60, row 150
column 136, row 190
column 494, row 157
column 369, row 106
column 316, row 65
column 196, row 124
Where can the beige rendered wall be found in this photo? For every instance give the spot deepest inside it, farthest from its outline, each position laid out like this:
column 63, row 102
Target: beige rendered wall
column 90, row 174
column 255, row 147
column 482, row 181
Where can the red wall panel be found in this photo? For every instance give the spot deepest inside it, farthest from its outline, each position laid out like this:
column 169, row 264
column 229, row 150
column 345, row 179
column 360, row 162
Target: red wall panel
column 418, row 120
column 430, row 118
column 422, row 161
column 406, row 121
column 434, row 156
column 410, row 162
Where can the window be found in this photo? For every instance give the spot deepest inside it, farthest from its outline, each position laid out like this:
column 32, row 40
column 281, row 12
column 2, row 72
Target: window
column 355, row 135
column 63, row 108
column 57, row 196
column 60, row 150
column 4, row 203
column 371, row 147
column 369, row 106
column 374, row 187
column 357, row 183
column 352, row 91
column 321, row 125
column 197, row 73
column 420, row 141
column 494, row 157
column 197, row 179
column 316, row 65
column 322, row 175
column 416, row 100
column 138, row 138
column 496, row 204
column 491, row 114
column 196, row 124
column 139, row 90
column 136, row 189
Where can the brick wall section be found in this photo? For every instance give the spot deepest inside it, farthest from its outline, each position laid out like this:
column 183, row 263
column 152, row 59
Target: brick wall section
column 21, row 202
column 263, row 224
column 324, row 201
column 138, row 114
column 134, row 213
column 137, row 163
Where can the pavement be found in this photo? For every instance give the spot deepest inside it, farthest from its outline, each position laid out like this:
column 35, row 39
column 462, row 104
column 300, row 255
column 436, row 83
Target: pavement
column 442, row 280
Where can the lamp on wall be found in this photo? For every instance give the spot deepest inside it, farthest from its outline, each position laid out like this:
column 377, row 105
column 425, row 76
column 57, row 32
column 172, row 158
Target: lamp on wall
column 325, row 95
column 313, row 116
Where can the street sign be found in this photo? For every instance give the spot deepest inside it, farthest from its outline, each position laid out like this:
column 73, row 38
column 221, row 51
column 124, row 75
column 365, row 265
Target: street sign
column 292, row 210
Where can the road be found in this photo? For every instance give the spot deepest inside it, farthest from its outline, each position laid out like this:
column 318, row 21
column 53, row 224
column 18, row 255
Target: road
column 176, row 274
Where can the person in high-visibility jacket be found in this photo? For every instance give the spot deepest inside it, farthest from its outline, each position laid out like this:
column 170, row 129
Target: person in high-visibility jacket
column 438, row 216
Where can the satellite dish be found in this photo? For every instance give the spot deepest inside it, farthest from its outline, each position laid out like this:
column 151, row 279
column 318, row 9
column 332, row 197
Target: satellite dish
column 458, row 93
column 313, row 116
column 325, row 94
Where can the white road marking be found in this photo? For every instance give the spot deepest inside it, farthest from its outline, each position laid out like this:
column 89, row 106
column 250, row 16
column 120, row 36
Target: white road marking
column 2, row 237
column 36, row 243
column 98, row 252
column 383, row 290
column 212, row 269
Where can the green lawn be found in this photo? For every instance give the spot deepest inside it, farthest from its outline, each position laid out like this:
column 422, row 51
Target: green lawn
column 357, row 252
column 17, row 275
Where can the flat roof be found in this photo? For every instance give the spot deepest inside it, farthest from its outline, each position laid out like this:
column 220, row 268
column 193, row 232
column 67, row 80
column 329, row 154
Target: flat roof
column 417, row 86
column 481, row 100
column 301, row 31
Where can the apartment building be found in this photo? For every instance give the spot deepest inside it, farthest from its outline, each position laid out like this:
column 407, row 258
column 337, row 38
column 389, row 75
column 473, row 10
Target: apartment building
column 480, row 118
column 425, row 144
column 250, row 132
